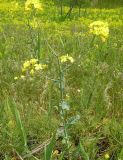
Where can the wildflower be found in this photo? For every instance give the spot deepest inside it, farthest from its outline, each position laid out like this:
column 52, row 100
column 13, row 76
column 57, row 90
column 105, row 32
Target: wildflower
column 15, row 78
column 78, row 90
column 35, row 3
column 32, row 71
column 26, row 64
column 30, row 67
column 56, row 153
column 100, row 29
column 71, row 59
column 44, row 66
column 107, row 156
column 40, row 66
column 22, row 76
column 66, row 58
column 33, row 61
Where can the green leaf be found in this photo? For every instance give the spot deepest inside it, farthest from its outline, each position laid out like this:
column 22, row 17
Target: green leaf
column 49, row 148
column 121, row 154
column 72, row 120
column 19, row 124
column 83, row 152
column 65, row 106
column 61, row 156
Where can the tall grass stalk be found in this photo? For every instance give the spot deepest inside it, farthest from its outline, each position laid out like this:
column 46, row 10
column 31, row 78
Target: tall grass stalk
column 19, row 123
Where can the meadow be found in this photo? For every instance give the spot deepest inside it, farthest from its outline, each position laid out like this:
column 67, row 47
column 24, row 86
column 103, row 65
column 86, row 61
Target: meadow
column 61, row 81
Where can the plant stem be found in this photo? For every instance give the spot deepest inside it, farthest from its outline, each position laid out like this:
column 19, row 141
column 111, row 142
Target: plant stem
column 62, row 112
column 62, row 86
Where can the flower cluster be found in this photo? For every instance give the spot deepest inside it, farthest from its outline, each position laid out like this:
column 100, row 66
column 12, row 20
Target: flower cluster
column 100, row 29
column 66, row 58
column 30, row 67
column 33, row 3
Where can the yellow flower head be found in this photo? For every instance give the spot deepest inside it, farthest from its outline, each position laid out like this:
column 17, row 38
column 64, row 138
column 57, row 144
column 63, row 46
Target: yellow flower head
column 107, row 156
column 33, row 61
column 26, row 64
column 100, row 29
column 66, row 58
column 56, row 153
column 44, row 66
column 15, row 78
column 71, row 59
column 40, row 66
column 22, row 76
column 30, row 67
column 33, row 3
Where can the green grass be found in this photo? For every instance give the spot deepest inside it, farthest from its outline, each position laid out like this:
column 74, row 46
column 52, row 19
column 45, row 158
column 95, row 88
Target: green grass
column 29, row 109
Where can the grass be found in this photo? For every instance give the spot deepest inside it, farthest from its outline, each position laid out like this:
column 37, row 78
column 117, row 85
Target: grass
column 29, row 108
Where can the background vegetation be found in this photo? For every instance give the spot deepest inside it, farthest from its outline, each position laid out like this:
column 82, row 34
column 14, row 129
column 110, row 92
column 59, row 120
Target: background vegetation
column 29, row 107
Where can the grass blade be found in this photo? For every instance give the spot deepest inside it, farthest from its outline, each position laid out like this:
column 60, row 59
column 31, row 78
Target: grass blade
column 19, row 124
column 83, row 152
column 49, row 148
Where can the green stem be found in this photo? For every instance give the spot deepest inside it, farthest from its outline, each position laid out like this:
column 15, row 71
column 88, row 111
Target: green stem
column 62, row 86
column 62, row 112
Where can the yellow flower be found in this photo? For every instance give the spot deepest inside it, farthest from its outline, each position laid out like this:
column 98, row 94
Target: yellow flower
column 63, row 59
column 31, row 66
column 32, row 71
column 26, row 64
column 107, row 156
column 22, row 76
column 56, row 153
column 44, row 66
column 78, row 90
column 33, row 61
column 71, row 59
column 15, row 78
column 35, row 3
column 40, row 66
column 100, row 29
column 66, row 58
